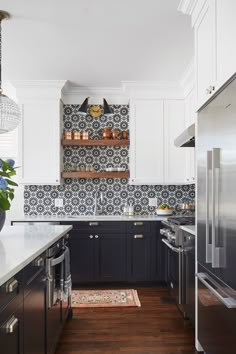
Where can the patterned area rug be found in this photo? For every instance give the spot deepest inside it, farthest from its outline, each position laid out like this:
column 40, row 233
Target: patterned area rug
column 105, row 298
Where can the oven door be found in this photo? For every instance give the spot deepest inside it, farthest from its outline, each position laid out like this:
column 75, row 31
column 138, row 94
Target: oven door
column 174, row 264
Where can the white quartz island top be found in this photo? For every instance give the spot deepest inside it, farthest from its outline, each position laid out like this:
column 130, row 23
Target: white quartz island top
column 20, row 245
column 88, row 218
column 189, row 228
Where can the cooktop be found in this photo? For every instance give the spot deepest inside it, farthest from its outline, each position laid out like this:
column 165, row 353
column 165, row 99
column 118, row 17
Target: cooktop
column 181, row 220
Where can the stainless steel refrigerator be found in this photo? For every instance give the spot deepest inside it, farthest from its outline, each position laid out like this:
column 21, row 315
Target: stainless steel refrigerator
column 216, row 221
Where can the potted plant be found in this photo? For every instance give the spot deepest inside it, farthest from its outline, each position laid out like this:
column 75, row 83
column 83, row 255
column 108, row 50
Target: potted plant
column 7, row 171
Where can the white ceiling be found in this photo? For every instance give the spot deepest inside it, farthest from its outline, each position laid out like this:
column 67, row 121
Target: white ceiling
column 95, row 42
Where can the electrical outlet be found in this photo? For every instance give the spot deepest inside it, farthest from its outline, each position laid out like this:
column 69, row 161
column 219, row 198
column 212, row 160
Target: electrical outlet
column 58, row 202
column 152, row 202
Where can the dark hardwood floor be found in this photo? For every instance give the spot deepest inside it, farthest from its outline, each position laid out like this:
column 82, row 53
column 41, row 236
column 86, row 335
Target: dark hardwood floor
column 156, row 327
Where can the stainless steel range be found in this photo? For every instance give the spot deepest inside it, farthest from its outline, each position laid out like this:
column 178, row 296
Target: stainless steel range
column 172, row 231
column 174, row 242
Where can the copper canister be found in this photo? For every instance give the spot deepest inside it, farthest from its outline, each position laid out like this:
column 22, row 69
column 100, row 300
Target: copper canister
column 85, row 136
column 68, row 135
column 124, row 134
column 77, row 135
column 106, row 134
column 115, row 134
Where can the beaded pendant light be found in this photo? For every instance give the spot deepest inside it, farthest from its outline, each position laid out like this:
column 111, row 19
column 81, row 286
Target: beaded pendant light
column 9, row 110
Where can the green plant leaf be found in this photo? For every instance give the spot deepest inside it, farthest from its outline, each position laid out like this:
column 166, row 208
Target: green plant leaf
column 11, row 183
column 11, row 195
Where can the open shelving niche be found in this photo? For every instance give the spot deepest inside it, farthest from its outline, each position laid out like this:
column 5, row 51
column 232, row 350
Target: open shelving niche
column 95, row 174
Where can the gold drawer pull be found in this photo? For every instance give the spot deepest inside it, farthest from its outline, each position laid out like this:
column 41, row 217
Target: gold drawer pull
column 138, row 223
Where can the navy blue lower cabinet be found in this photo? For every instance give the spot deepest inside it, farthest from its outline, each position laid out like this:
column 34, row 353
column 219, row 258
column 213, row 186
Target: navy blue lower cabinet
column 82, row 257
column 98, row 256
column 140, row 257
column 11, row 329
column 124, row 252
column 111, row 257
column 34, row 315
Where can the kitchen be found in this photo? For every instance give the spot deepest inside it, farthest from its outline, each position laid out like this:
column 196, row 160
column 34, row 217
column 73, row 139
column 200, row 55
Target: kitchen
column 107, row 166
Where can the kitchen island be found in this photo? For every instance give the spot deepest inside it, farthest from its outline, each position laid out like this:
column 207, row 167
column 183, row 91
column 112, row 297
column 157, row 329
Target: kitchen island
column 20, row 245
column 28, row 322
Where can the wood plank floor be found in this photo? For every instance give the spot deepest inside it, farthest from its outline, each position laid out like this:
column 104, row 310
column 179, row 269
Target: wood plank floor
column 156, row 327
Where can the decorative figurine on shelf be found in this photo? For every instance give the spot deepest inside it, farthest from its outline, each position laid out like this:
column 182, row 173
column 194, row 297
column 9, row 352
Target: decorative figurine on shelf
column 124, row 134
column 115, row 134
column 106, row 133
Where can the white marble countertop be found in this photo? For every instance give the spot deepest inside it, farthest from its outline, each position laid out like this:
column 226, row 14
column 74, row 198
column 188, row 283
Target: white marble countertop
column 89, row 218
column 20, row 245
column 189, row 228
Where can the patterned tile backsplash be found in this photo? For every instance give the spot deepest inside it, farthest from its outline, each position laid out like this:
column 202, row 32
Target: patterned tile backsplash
column 79, row 194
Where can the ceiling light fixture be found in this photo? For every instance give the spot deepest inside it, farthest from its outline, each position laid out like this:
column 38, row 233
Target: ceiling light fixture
column 9, row 110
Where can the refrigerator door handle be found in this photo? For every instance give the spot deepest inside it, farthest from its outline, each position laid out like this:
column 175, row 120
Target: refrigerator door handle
column 216, row 251
column 228, row 301
column 208, row 244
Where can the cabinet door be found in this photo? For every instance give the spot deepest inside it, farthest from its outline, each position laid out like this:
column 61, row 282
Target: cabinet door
column 39, row 143
column 146, row 141
column 82, row 257
column 174, row 157
column 34, row 318
column 205, row 55
column 112, row 256
column 140, row 257
column 225, row 39
column 190, row 117
column 12, row 342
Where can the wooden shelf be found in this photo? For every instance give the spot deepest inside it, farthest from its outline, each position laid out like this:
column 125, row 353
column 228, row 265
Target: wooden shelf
column 96, row 142
column 86, row 174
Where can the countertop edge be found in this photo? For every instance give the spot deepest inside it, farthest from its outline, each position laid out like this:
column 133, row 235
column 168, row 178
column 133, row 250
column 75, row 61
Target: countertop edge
column 23, row 264
column 190, row 229
column 88, row 218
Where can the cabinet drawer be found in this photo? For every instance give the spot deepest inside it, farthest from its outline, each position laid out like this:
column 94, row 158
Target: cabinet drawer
column 12, row 290
column 96, row 226
column 11, row 329
column 138, row 226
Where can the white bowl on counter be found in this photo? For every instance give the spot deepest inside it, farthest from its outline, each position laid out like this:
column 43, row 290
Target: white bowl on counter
column 163, row 212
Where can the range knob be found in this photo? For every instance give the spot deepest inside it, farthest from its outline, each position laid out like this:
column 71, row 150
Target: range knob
column 171, row 235
column 163, row 231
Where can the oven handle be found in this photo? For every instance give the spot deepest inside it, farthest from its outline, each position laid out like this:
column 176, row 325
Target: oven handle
column 174, row 249
column 228, row 301
column 58, row 260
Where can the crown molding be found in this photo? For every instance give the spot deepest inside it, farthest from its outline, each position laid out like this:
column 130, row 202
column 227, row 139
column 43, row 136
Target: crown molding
column 34, row 90
column 72, row 94
column 153, row 89
column 187, row 6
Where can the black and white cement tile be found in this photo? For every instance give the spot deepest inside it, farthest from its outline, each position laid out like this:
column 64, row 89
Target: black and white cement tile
column 79, row 194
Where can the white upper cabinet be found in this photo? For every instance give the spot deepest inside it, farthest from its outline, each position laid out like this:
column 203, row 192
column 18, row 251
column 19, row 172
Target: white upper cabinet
column 225, row 40
column 175, row 164
column 40, row 135
column 215, row 35
column 154, row 125
column 205, row 46
column 190, row 118
column 146, row 141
